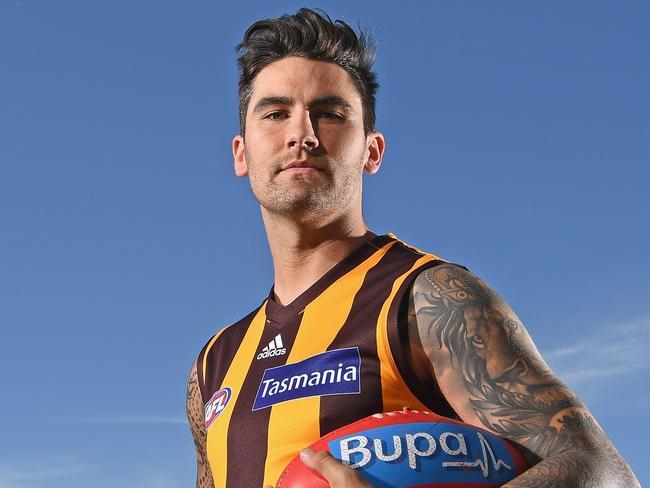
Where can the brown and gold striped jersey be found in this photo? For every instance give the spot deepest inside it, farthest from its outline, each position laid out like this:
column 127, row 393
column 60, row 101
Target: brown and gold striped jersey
column 283, row 376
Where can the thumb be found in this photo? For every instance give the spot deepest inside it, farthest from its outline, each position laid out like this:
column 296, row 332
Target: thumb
column 322, row 462
column 329, row 468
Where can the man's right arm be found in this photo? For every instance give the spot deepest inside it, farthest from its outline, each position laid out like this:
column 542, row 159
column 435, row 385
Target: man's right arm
column 195, row 417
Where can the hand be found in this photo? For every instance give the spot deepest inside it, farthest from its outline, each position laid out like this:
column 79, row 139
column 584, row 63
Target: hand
column 338, row 475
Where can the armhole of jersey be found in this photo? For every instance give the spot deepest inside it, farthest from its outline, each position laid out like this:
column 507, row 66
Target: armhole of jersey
column 201, row 365
column 427, row 392
column 205, row 357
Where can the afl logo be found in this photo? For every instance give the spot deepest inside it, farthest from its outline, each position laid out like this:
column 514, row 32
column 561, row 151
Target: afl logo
column 216, row 405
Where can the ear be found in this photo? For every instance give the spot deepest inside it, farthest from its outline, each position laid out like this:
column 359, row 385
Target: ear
column 375, row 144
column 239, row 156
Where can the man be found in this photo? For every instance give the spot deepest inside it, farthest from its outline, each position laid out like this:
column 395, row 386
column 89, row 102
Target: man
column 389, row 324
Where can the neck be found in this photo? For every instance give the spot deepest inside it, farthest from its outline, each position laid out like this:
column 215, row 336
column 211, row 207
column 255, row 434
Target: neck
column 304, row 251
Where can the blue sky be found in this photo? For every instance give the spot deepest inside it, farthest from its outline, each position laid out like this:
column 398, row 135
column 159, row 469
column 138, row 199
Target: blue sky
column 518, row 137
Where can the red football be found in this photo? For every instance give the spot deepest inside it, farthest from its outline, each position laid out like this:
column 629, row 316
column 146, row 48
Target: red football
column 414, row 449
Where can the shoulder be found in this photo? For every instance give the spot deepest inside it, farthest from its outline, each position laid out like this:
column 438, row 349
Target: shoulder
column 230, row 334
column 454, row 286
column 218, row 352
column 461, row 320
column 444, row 272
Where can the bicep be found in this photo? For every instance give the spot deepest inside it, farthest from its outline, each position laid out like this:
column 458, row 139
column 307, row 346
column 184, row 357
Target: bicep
column 488, row 367
column 195, row 418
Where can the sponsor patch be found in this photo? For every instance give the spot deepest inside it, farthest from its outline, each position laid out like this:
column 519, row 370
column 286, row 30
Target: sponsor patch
column 216, row 405
column 330, row 373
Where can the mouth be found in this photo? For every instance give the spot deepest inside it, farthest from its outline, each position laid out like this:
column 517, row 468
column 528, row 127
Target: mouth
column 301, row 166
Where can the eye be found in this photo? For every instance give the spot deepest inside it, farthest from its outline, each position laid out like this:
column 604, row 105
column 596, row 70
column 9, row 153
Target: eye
column 277, row 115
column 331, row 115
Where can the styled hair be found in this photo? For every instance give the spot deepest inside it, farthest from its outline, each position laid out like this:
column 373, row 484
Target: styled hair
column 312, row 35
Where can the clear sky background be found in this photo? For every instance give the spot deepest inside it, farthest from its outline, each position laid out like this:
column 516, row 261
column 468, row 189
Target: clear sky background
column 518, row 142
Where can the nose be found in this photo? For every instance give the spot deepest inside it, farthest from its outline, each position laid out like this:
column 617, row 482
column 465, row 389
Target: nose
column 301, row 132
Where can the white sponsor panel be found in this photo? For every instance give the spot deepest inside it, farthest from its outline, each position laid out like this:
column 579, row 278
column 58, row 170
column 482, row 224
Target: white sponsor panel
column 272, row 386
column 418, row 445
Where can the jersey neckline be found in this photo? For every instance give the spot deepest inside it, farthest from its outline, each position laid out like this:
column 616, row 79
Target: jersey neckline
column 281, row 314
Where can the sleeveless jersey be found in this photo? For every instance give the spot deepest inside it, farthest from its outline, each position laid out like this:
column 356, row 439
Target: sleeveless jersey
column 283, row 376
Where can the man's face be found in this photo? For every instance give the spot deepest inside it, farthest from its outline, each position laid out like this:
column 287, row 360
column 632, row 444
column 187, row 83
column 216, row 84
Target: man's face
column 305, row 148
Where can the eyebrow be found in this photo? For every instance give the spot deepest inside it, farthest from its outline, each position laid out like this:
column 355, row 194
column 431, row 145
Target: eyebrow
column 262, row 103
column 332, row 100
column 267, row 101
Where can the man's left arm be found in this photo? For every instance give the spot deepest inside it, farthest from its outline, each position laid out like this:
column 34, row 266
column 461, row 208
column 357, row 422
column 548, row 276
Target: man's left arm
column 493, row 376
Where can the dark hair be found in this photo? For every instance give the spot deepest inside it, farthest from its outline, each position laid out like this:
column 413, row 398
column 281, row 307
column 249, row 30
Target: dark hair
column 311, row 35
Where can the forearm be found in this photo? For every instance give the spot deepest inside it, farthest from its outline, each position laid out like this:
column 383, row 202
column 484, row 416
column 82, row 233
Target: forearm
column 578, row 468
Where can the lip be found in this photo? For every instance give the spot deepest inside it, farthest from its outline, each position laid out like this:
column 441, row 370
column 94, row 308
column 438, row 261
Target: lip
column 301, row 165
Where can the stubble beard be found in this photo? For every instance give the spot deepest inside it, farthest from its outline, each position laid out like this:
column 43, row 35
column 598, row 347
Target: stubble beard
column 308, row 198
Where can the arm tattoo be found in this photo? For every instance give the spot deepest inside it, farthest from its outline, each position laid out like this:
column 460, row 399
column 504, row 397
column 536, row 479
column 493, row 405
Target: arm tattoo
column 478, row 346
column 195, row 417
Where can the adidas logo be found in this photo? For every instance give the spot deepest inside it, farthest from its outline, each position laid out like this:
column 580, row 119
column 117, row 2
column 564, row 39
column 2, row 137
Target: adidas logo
column 275, row 348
